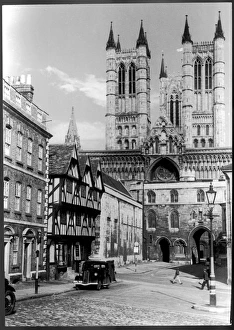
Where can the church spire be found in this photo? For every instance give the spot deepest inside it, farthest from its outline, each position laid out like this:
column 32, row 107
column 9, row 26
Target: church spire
column 141, row 41
column 163, row 73
column 186, row 36
column 72, row 136
column 111, row 42
column 219, row 30
column 147, row 47
column 118, row 47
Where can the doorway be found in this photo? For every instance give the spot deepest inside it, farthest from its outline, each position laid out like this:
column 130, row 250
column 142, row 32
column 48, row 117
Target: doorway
column 165, row 249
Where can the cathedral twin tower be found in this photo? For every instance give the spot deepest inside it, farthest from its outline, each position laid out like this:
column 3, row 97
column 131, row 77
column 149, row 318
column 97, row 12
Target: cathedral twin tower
column 192, row 102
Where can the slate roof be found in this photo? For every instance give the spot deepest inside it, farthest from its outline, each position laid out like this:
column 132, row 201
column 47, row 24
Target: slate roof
column 82, row 159
column 59, row 158
column 116, row 184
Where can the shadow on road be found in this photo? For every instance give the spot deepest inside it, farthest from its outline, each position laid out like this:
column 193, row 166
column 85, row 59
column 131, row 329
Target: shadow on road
column 197, row 271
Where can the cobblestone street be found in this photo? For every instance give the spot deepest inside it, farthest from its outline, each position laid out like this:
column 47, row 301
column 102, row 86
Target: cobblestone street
column 73, row 310
column 136, row 299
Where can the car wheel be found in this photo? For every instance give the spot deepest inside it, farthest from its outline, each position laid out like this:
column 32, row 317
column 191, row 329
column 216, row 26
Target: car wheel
column 9, row 302
column 99, row 285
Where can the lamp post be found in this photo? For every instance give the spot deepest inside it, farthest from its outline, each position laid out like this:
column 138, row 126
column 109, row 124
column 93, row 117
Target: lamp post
column 211, row 194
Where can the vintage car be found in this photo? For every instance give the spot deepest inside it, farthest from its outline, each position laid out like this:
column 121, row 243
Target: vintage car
column 98, row 274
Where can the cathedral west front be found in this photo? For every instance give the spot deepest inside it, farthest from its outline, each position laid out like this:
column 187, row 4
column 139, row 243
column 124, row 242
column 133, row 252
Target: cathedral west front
column 168, row 165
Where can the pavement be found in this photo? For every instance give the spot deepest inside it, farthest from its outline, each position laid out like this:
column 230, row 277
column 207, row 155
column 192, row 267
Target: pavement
column 190, row 274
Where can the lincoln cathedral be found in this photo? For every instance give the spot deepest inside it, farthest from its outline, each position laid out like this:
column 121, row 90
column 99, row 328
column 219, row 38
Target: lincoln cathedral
column 168, row 165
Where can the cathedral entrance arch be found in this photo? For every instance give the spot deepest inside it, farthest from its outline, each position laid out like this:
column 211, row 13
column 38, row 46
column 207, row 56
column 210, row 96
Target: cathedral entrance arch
column 199, row 244
column 164, row 245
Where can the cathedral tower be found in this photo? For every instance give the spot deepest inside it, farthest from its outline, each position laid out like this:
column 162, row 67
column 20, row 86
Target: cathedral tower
column 127, row 93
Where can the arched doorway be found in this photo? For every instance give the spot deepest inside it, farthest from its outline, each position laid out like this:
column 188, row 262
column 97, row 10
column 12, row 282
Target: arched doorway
column 165, row 249
column 199, row 243
column 9, row 234
column 28, row 239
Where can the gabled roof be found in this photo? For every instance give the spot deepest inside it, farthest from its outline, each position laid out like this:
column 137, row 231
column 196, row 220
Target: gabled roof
column 59, row 158
column 115, row 184
column 82, row 159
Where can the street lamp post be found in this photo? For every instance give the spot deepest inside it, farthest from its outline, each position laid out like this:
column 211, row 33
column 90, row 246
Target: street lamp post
column 211, row 194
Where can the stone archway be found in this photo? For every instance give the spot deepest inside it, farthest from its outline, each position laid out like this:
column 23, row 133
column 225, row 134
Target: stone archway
column 199, row 244
column 164, row 247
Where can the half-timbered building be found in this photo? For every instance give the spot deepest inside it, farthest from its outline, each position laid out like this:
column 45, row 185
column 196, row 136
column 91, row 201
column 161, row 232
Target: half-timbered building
column 75, row 190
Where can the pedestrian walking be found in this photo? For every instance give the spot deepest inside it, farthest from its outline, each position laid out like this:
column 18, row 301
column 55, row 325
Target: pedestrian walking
column 205, row 280
column 176, row 276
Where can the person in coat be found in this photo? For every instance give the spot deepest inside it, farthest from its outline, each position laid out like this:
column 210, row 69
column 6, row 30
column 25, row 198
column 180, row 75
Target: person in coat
column 205, row 280
column 176, row 276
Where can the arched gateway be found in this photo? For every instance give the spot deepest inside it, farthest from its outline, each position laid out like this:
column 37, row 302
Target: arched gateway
column 199, row 244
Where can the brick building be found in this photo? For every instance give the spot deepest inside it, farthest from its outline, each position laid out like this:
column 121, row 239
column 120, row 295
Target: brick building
column 25, row 172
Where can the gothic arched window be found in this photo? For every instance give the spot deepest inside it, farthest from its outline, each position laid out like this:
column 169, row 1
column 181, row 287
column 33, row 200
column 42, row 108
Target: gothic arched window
column 174, row 196
column 198, row 130
column 171, row 109
column 197, row 74
column 177, row 111
column 151, row 219
column 200, row 196
column 126, row 130
column 170, row 145
column 195, row 142
column 151, row 196
column 203, row 143
column 126, row 144
column 119, row 130
column 119, row 144
column 121, row 79
column 132, row 79
column 207, row 129
column 174, row 219
column 208, row 74
column 133, row 144
column 156, row 145
column 210, row 143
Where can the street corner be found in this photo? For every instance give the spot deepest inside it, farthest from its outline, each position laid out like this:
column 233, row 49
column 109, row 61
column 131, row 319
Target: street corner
column 211, row 309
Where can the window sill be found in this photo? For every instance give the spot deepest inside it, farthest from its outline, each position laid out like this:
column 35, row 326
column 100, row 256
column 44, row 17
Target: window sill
column 18, row 212
column 8, row 158
column 39, row 216
column 19, row 163
column 7, row 210
column 40, row 173
column 28, row 215
column 30, row 168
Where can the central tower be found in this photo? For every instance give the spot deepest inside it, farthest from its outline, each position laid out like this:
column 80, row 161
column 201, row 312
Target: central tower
column 127, row 93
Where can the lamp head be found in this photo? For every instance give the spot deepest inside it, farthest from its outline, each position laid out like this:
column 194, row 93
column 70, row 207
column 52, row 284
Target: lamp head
column 211, row 194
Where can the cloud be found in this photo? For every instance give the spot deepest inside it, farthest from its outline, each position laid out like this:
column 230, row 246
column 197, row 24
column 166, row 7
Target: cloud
column 93, row 87
column 92, row 135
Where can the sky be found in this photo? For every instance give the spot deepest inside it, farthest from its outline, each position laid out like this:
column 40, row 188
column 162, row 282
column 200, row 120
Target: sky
column 63, row 47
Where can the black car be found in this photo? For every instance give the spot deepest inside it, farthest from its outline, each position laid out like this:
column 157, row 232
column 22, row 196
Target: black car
column 98, row 274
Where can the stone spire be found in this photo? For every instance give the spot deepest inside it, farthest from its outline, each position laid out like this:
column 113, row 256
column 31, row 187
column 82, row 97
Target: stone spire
column 163, row 73
column 72, row 136
column 186, row 36
column 118, row 47
column 147, row 47
column 141, row 41
column 111, row 42
column 219, row 30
